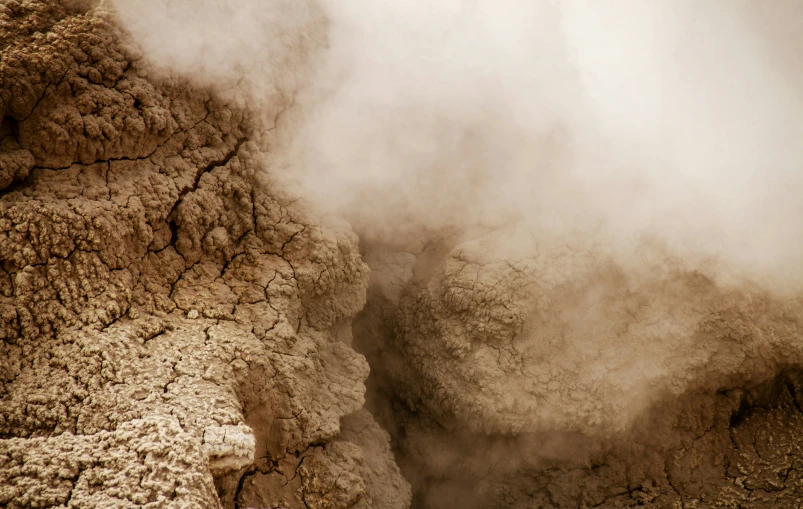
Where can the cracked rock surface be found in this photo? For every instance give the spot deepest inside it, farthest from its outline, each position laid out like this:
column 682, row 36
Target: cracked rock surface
column 174, row 329
column 554, row 374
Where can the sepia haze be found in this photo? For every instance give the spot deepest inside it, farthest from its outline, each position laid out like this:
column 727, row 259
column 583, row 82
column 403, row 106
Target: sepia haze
column 307, row 253
column 673, row 120
column 663, row 136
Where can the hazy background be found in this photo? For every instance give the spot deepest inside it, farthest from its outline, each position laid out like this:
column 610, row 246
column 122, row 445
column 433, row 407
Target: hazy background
column 677, row 119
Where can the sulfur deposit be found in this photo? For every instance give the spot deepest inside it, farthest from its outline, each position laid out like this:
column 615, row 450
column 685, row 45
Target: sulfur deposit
column 308, row 254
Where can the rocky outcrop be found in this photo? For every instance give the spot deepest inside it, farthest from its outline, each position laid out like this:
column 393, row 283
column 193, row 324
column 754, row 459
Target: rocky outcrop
column 174, row 329
column 554, row 374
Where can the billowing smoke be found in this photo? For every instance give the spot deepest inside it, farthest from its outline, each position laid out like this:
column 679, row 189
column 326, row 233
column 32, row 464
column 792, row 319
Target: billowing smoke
column 677, row 120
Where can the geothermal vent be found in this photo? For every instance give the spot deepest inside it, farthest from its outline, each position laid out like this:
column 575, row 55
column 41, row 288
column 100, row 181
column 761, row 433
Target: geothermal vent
column 331, row 254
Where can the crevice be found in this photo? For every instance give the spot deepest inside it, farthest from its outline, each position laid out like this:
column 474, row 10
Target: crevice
column 9, row 128
column 173, row 232
column 209, row 167
column 240, row 484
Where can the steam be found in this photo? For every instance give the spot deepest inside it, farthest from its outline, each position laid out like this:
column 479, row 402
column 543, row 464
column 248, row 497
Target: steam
column 254, row 53
column 613, row 123
column 675, row 120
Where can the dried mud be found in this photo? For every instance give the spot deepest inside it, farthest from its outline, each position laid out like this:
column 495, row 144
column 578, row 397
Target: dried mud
column 174, row 330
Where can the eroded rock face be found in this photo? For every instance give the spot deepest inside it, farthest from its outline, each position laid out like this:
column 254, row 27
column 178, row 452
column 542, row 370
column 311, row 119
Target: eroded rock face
column 172, row 325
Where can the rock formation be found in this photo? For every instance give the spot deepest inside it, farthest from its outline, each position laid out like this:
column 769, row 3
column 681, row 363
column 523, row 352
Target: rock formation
column 552, row 376
column 175, row 330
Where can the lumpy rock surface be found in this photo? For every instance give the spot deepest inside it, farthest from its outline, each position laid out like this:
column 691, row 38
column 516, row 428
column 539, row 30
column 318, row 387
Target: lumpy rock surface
column 174, row 330
column 555, row 375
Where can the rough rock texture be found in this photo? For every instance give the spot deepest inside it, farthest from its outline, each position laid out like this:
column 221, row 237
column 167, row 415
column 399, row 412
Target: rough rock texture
column 728, row 449
column 355, row 470
column 170, row 322
column 568, row 338
column 554, row 374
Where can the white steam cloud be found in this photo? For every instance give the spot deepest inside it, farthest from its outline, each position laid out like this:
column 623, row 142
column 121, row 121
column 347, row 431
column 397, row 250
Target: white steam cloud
column 673, row 119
